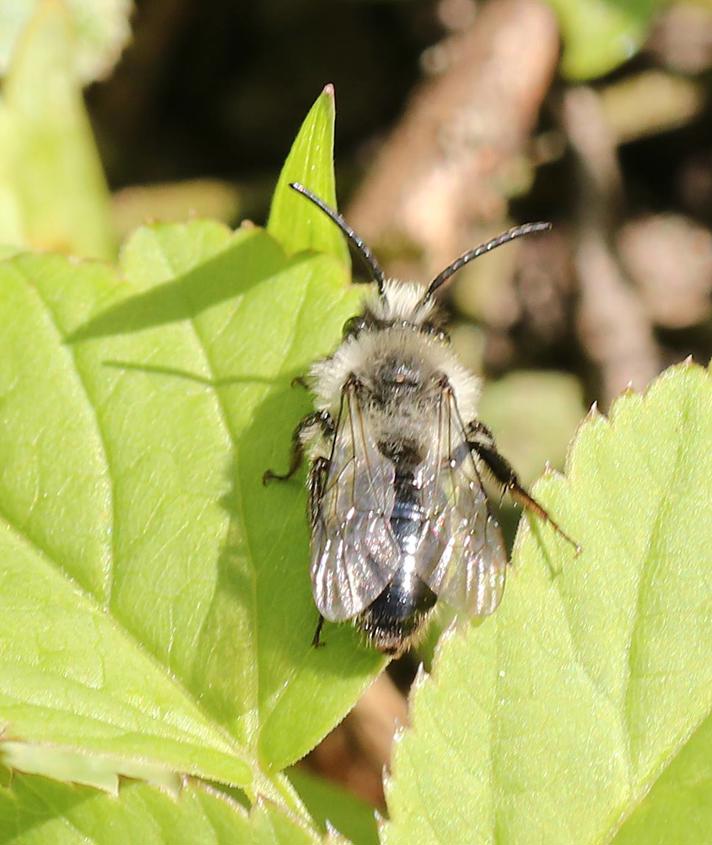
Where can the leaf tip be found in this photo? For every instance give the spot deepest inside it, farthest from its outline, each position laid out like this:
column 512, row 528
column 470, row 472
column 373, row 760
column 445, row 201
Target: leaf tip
column 329, row 90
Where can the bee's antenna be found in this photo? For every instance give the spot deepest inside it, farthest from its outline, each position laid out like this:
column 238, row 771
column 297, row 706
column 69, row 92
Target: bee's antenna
column 379, row 276
column 512, row 234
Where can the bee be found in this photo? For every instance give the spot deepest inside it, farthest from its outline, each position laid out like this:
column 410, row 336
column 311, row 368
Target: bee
column 399, row 517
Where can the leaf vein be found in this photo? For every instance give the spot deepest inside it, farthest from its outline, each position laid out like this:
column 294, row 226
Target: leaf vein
column 646, row 571
column 107, row 565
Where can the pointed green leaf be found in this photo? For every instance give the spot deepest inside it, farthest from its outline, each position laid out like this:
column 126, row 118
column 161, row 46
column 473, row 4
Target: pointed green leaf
column 53, row 194
column 155, row 605
column 552, row 720
column 296, row 223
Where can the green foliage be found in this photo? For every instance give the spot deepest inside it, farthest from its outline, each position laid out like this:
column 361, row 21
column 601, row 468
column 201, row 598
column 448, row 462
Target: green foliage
column 155, row 610
column 52, row 190
column 679, row 807
column 43, row 812
column 555, row 716
column 599, row 35
column 100, row 30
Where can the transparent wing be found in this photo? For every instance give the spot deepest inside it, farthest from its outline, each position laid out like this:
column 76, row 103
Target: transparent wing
column 462, row 557
column 354, row 552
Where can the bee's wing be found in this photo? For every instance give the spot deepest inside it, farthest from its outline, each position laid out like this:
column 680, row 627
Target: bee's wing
column 462, row 556
column 354, row 552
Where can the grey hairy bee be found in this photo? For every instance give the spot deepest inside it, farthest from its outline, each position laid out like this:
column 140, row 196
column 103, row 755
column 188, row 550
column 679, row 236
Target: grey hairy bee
column 399, row 517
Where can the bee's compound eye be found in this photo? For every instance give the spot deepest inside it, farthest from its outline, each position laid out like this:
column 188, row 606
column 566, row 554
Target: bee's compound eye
column 353, row 326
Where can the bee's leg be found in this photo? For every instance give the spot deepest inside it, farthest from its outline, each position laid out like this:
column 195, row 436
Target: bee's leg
column 481, row 442
column 316, row 639
column 315, row 485
column 299, row 381
column 317, row 418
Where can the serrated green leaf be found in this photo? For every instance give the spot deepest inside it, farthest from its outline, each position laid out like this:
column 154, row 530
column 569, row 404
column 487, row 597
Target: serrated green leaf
column 551, row 720
column 166, row 589
column 273, row 827
column 36, row 811
column 294, row 221
column 100, row 27
column 599, row 35
column 53, row 194
column 97, row 770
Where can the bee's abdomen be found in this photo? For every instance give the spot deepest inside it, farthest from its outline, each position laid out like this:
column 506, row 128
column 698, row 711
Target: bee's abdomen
column 399, row 612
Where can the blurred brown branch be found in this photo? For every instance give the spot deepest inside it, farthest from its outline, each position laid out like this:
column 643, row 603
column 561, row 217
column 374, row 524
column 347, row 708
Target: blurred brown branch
column 355, row 753
column 443, row 169
column 670, row 259
column 613, row 324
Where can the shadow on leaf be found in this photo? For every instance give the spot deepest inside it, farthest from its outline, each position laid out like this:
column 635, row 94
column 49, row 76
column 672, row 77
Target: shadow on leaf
column 251, row 260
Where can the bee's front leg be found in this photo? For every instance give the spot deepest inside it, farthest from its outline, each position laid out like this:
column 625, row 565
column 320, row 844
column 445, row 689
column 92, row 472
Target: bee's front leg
column 481, row 442
column 317, row 418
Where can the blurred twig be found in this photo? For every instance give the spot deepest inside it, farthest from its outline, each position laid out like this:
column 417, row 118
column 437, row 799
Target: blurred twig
column 645, row 104
column 613, row 324
column 444, row 168
column 669, row 256
column 682, row 37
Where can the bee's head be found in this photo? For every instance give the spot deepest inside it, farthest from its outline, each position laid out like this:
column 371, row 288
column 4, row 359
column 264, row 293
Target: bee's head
column 400, row 302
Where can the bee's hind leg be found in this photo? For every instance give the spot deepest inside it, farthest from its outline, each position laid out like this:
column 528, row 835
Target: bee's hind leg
column 324, row 421
column 481, row 442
